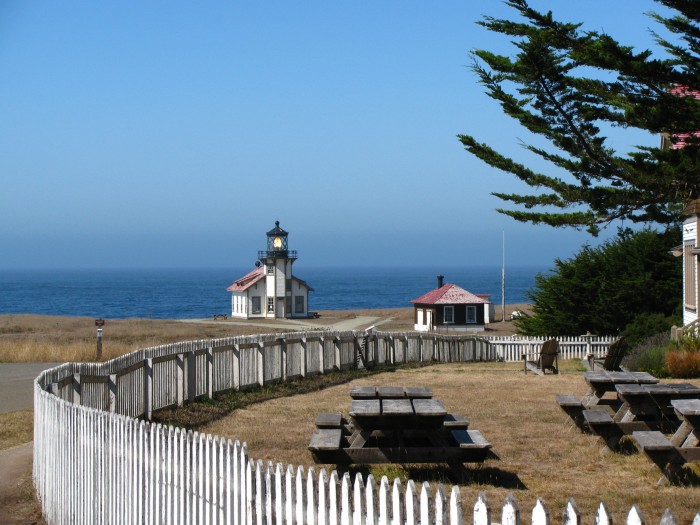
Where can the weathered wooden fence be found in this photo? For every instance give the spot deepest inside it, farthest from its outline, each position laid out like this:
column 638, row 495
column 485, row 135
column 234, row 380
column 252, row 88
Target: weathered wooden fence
column 96, row 463
column 153, row 378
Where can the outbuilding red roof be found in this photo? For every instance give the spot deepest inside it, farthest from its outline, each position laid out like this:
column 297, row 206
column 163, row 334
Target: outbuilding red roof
column 247, row 280
column 450, row 294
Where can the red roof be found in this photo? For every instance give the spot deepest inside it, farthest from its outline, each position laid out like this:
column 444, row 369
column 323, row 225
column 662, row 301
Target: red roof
column 680, row 140
column 450, row 294
column 247, row 281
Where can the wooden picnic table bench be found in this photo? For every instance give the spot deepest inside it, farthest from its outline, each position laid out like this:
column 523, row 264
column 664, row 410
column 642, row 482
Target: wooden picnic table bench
column 600, row 383
column 644, row 408
column 670, row 454
column 396, row 425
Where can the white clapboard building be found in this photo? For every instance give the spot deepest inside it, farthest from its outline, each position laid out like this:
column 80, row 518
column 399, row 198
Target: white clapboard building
column 690, row 251
column 271, row 290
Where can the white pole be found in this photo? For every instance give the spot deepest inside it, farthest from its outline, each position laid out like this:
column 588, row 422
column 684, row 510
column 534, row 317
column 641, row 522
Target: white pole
column 503, row 281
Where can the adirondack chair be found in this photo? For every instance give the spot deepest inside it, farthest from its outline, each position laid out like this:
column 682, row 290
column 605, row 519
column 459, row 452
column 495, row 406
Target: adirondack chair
column 548, row 359
column 612, row 360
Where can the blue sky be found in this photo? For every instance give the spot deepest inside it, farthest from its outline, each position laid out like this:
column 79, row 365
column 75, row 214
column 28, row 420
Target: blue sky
column 174, row 134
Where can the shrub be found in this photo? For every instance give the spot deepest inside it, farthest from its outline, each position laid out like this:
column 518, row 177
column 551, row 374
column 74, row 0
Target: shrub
column 683, row 357
column 604, row 289
column 682, row 363
column 649, row 356
column 646, row 325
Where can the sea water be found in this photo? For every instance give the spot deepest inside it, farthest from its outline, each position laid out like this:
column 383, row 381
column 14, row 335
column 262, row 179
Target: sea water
column 201, row 293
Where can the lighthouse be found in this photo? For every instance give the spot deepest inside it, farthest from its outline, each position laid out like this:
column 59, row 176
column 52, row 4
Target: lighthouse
column 271, row 291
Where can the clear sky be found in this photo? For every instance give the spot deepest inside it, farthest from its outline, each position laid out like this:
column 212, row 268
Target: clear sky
column 174, row 133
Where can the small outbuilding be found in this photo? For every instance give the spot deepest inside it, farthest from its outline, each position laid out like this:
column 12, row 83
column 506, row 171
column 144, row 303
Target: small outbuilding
column 450, row 307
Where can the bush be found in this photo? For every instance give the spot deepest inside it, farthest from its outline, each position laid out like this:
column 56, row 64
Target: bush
column 602, row 290
column 682, row 363
column 646, row 325
column 683, row 357
column 649, row 356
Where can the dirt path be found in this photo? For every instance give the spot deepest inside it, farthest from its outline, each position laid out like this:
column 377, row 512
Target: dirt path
column 17, row 504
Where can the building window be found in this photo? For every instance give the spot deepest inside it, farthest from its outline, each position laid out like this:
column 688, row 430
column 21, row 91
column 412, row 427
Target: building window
column 288, row 305
column 270, row 304
column 270, row 269
column 256, row 304
column 299, row 304
column 471, row 314
column 689, row 276
column 449, row 314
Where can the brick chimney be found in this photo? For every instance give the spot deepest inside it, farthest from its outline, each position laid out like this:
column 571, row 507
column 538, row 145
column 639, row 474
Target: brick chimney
column 440, row 278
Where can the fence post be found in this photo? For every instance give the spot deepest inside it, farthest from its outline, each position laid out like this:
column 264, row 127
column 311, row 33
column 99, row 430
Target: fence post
column 112, row 386
column 371, row 501
column 77, row 389
column 510, row 514
column 236, row 366
column 261, row 363
column 336, row 350
column 283, row 357
column 359, row 501
column 571, row 515
column 191, row 376
column 322, row 352
column 180, row 379
column 210, row 372
column 304, row 360
column 148, row 388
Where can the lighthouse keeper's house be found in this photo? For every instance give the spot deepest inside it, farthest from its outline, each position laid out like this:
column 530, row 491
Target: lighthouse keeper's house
column 450, row 307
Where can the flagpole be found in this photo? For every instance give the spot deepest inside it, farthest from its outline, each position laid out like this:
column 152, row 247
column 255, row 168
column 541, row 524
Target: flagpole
column 503, row 280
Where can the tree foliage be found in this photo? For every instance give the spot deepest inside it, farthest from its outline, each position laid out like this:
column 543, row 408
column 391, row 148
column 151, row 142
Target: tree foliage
column 605, row 289
column 568, row 85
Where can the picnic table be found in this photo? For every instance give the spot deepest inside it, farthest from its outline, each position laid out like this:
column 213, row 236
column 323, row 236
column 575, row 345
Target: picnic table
column 389, row 424
column 600, row 384
column 670, row 454
column 644, row 408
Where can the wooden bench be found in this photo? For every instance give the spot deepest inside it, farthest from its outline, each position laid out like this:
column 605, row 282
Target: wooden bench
column 572, row 407
column 329, row 420
column 602, row 424
column 470, row 439
column 455, row 422
column 324, row 440
column 662, row 453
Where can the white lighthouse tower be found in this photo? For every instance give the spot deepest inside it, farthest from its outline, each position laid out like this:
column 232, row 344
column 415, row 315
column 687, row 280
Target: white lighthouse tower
column 271, row 290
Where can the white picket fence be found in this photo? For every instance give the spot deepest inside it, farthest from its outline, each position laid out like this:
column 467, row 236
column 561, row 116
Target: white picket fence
column 511, row 348
column 95, row 463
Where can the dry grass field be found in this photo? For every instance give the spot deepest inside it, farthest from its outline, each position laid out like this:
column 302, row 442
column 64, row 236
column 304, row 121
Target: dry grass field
column 48, row 339
column 539, row 455
column 40, row 338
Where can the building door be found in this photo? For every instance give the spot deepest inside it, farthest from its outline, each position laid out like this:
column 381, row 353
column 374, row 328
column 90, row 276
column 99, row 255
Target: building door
column 429, row 319
column 279, row 314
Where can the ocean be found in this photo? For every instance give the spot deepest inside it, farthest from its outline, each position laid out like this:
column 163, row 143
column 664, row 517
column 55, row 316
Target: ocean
column 201, row 293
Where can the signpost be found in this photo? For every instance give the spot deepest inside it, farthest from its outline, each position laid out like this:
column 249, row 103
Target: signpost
column 99, row 323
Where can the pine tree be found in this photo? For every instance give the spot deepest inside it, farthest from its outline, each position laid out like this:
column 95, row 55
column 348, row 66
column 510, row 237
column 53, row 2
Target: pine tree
column 605, row 289
column 568, row 85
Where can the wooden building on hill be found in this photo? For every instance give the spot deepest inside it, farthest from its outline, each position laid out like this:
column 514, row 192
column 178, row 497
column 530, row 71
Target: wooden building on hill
column 271, row 290
column 449, row 307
